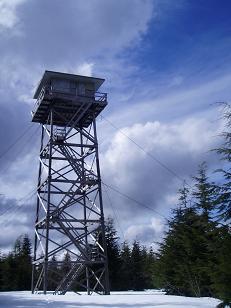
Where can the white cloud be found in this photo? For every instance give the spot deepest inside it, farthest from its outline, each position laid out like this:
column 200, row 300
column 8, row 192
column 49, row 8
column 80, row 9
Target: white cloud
column 85, row 69
column 8, row 15
column 179, row 146
column 193, row 136
column 18, row 176
column 87, row 29
column 148, row 233
column 169, row 105
column 86, row 42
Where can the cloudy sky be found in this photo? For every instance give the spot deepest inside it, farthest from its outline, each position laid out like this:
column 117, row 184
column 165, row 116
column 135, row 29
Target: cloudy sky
column 165, row 63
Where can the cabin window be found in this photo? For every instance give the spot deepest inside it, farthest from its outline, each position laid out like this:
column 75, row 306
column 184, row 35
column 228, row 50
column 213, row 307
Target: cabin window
column 81, row 89
column 64, row 86
column 73, row 87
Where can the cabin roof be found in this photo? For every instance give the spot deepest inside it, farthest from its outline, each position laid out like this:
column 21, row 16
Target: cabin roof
column 48, row 75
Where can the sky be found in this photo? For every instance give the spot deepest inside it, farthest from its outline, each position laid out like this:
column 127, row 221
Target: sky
column 165, row 63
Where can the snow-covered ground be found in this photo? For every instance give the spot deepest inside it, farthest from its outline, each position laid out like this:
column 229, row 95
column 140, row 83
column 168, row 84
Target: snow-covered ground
column 146, row 299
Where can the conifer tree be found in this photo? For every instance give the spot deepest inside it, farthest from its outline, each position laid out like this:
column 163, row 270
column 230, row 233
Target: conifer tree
column 184, row 253
column 17, row 246
column 125, row 267
column 113, row 253
column 183, row 197
column 147, row 262
column 24, row 264
column 9, row 273
column 53, row 274
column 221, row 268
column 224, row 200
column 218, row 237
column 204, row 193
column 16, row 266
column 151, row 269
column 66, row 265
column 137, row 275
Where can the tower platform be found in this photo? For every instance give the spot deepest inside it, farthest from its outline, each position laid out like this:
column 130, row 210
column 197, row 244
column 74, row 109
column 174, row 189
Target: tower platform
column 73, row 98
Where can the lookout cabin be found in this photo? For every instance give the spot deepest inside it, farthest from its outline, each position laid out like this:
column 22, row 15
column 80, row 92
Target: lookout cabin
column 74, row 99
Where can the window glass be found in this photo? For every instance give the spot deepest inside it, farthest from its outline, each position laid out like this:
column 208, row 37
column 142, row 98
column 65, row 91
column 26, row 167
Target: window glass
column 61, row 85
column 72, row 85
column 81, row 89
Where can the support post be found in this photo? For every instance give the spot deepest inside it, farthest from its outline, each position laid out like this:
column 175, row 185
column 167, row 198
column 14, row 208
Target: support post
column 47, row 223
column 107, row 286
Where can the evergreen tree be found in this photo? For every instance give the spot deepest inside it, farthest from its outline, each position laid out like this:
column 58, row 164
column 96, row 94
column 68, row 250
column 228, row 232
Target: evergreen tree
column 185, row 252
column 9, row 273
column 53, row 274
column 24, row 264
column 218, row 237
column 16, row 266
column 205, row 193
column 146, row 268
column 183, row 197
column 221, row 268
column 224, row 200
column 151, row 269
column 18, row 246
column 66, row 265
column 125, row 267
column 181, row 255
column 113, row 253
column 137, row 275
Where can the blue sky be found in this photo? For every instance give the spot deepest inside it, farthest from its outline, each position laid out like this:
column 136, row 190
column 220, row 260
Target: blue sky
column 190, row 31
column 165, row 63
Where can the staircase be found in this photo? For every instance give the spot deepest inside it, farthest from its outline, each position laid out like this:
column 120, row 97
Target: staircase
column 70, row 277
column 71, row 159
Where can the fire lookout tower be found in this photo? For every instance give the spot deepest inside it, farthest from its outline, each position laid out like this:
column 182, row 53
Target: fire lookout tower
column 69, row 248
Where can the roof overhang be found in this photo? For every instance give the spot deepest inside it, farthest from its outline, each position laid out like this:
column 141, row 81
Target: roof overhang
column 48, row 75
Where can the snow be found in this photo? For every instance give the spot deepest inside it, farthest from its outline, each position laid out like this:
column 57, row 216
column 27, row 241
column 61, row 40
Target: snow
column 146, row 299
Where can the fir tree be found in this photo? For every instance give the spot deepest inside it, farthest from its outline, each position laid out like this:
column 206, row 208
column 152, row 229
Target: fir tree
column 218, row 236
column 183, row 197
column 16, row 266
column 221, row 268
column 224, row 200
column 151, row 269
column 205, row 193
column 125, row 268
column 24, row 264
column 113, row 253
column 146, row 268
column 9, row 273
column 53, row 274
column 137, row 275
column 66, row 265
column 185, row 252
